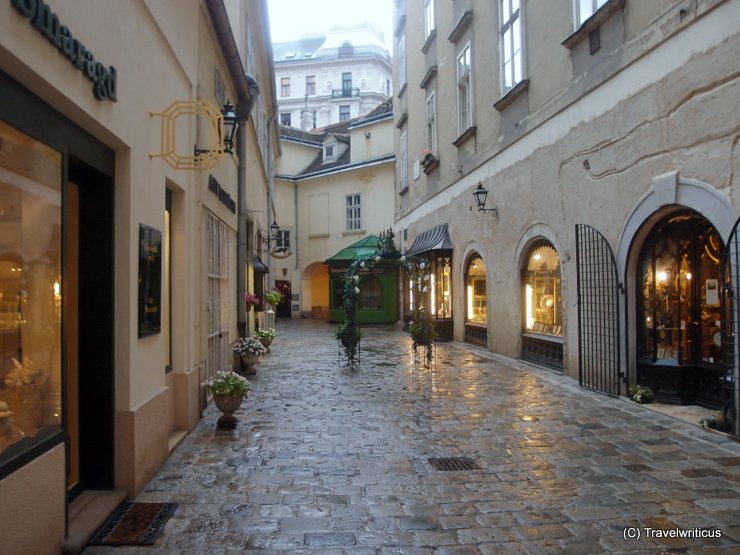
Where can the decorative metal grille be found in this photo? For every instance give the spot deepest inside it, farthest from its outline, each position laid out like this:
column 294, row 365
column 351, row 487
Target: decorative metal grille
column 598, row 312
column 453, row 463
column 730, row 325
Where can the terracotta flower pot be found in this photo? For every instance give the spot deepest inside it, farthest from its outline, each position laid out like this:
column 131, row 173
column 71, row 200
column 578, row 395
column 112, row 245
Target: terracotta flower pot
column 228, row 404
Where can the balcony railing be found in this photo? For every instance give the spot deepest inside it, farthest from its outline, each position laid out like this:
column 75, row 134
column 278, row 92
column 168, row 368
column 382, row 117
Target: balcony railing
column 344, row 93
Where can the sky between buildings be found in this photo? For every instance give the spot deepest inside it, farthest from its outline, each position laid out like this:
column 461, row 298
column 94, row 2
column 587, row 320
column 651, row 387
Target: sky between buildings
column 290, row 19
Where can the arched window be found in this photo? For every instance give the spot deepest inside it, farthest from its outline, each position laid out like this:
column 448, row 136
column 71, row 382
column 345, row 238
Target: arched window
column 346, row 50
column 476, row 298
column 371, row 294
column 543, row 311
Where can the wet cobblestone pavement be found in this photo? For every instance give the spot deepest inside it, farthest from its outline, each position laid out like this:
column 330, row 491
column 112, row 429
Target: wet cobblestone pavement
column 331, row 461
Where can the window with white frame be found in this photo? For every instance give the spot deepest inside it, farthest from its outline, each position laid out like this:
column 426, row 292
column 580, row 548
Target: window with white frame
column 512, row 70
column 464, row 90
column 428, row 17
column 403, row 178
column 344, row 112
column 285, row 86
column 432, row 123
column 585, row 9
column 402, row 61
column 285, row 119
column 353, row 212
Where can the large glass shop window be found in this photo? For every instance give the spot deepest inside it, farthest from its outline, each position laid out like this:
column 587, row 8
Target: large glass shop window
column 475, row 294
column 30, row 287
column 441, row 276
column 680, row 284
column 542, row 294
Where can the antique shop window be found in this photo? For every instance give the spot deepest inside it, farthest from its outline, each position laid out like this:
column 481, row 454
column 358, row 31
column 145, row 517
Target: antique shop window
column 542, row 294
column 30, row 288
column 371, row 294
column 679, row 277
column 441, row 287
column 476, row 299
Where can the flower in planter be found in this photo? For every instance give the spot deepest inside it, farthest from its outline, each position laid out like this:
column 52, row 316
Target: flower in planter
column 427, row 155
column 251, row 300
column 249, row 346
column 227, row 383
column 274, row 297
column 265, row 333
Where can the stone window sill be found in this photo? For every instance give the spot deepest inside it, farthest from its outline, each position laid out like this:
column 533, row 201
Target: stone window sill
column 461, row 26
column 429, row 41
column 519, row 89
column 463, row 138
column 596, row 20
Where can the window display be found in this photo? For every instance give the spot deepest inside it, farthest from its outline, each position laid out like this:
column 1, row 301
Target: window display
column 30, row 286
column 542, row 292
column 475, row 294
column 679, row 271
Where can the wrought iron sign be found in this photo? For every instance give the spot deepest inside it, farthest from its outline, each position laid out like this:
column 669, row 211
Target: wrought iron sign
column 47, row 23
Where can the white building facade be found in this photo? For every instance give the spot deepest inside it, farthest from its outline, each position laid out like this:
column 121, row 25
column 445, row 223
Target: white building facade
column 326, row 79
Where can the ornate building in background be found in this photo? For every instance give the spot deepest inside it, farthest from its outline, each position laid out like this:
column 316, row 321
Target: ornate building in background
column 325, row 79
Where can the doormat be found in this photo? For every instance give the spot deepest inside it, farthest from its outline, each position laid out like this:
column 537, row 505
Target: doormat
column 134, row 524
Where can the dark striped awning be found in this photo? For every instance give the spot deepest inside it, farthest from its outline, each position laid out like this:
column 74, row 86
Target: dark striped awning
column 435, row 239
column 259, row 266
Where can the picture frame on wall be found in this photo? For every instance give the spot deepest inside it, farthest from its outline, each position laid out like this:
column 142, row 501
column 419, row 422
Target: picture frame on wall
column 150, row 281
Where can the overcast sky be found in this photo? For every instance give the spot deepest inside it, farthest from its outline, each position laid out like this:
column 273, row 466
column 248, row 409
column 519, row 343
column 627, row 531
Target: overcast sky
column 289, row 19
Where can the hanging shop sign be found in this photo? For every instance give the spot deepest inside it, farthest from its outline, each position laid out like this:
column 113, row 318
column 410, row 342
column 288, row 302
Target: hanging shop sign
column 47, row 23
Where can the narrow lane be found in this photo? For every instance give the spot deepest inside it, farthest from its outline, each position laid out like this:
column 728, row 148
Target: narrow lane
column 327, row 460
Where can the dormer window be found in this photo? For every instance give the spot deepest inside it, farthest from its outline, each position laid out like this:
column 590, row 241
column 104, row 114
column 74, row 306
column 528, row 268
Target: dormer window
column 346, row 50
column 330, row 152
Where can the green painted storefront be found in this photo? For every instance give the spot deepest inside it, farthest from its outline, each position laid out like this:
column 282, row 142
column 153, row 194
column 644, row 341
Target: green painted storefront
column 378, row 299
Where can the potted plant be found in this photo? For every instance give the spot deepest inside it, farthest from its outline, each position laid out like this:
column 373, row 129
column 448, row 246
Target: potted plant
column 641, row 393
column 273, row 297
column 428, row 160
column 251, row 300
column 265, row 336
column 349, row 335
column 250, row 349
column 228, row 389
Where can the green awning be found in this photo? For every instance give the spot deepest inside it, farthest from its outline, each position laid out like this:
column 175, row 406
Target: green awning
column 356, row 251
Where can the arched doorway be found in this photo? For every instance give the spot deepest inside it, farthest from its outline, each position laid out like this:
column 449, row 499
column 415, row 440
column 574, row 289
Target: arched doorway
column 678, row 311
column 315, row 291
column 476, row 301
column 542, row 298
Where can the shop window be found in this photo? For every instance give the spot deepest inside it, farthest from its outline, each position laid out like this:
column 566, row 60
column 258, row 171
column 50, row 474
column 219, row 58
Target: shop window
column 30, row 288
column 542, row 293
column 476, row 299
column 337, row 299
column 680, row 284
column 371, row 294
column 441, row 287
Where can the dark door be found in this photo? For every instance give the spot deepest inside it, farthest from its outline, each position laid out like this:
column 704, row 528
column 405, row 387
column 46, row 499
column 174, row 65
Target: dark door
column 283, row 308
column 730, row 327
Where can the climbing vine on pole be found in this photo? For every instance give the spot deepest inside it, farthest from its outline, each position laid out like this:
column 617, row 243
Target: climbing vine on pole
column 421, row 328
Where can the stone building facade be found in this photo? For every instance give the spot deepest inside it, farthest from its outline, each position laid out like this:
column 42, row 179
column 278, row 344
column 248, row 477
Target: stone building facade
column 605, row 134
column 119, row 243
column 328, row 78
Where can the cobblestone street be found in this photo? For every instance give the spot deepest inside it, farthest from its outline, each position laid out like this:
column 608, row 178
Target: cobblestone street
column 326, row 460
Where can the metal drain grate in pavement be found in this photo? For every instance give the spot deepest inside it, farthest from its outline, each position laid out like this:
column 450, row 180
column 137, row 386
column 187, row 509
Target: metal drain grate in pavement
column 453, row 463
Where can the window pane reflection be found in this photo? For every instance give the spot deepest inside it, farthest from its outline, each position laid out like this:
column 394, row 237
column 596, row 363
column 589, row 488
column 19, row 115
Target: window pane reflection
column 30, row 287
column 542, row 294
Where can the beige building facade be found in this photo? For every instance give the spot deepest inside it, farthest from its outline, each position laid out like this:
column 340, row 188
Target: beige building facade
column 605, row 136
column 119, row 248
column 331, row 185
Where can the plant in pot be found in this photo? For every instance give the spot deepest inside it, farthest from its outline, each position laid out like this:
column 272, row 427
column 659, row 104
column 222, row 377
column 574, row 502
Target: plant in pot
column 250, row 349
column 641, row 393
column 265, row 336
column 273, row 297
column 228, row 389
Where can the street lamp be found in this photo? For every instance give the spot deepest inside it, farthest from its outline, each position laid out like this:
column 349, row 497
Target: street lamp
column 481, row 195
column 277, row 246
column 231, row 123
